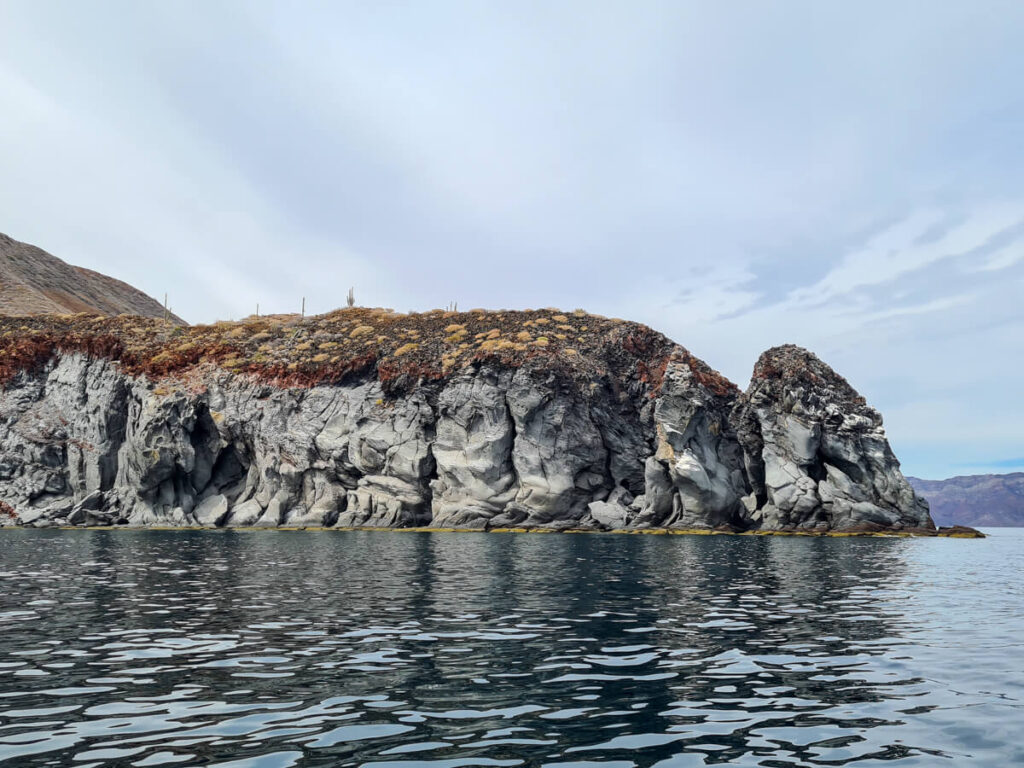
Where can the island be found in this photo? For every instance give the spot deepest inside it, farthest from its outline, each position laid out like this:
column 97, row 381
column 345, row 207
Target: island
column 542, row 420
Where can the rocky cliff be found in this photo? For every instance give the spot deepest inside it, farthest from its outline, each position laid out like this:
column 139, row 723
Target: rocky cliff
column 986, row 500
column 481, row 420
column 34, row 282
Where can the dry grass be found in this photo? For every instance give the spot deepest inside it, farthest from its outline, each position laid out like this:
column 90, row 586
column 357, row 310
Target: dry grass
column 400, row 350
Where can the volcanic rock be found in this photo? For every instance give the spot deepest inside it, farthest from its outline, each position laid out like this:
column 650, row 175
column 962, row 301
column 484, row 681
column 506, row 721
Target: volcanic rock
column 478, row 420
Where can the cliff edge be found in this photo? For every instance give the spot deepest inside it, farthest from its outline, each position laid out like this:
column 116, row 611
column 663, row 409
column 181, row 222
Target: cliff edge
column 479, row 420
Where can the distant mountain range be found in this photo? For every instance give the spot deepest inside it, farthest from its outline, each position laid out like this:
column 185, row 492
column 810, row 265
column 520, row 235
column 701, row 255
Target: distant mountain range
column 34, row 282
column 975, row 500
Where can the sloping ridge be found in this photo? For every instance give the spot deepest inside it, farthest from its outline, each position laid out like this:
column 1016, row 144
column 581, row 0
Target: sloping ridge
column 985, row 500
column 34, row 282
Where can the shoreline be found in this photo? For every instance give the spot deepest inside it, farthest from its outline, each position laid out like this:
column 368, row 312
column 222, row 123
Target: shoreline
column 951, row 533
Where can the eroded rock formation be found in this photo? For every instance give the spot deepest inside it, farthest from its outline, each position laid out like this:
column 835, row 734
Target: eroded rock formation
column 622, row 430
column 816, row 454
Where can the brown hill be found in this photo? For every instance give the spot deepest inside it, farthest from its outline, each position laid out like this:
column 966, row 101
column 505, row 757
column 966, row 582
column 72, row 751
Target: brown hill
column 34, row 282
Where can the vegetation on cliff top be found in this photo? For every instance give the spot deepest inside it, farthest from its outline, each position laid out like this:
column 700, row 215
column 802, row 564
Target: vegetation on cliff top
column 795, row 365
column 400, row 349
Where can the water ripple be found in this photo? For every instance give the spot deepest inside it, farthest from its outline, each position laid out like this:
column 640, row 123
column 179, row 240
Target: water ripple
column 372, row 649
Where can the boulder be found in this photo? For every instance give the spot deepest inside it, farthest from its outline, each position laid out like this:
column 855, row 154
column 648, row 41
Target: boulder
column 211, row 511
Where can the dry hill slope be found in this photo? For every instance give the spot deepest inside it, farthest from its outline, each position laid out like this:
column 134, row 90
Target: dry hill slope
column 34, row 282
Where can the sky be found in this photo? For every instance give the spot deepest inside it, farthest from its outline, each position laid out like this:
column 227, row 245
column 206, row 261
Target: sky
column 844, row 176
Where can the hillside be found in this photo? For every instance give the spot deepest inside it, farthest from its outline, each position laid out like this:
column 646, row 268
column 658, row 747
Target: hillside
column 34, row 282
column 975, row 500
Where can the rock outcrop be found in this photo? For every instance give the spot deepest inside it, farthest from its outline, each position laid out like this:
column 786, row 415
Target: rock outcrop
column 816, row 454
column 472, row 420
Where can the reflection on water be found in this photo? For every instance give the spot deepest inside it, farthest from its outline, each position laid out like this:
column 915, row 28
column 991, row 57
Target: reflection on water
column 411, row 649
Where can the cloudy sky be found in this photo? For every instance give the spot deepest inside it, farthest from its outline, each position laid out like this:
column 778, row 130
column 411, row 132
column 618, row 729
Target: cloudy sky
column 845, row 176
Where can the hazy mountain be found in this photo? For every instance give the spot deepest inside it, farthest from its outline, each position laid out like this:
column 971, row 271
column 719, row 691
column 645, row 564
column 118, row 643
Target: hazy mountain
column 976, row 500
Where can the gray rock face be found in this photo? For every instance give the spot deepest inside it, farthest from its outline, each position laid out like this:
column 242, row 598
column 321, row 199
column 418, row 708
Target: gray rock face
column 83, row 444
column 816, row 454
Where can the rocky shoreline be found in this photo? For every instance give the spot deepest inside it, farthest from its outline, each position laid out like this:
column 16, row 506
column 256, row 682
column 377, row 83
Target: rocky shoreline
column 951, row 532
column 534, row 420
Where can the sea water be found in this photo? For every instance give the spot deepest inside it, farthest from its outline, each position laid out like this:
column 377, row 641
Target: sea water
column 272, row 649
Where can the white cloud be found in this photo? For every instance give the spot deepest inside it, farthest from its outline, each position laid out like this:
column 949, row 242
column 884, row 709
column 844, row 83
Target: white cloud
column 901, row 249
column 1003, row 258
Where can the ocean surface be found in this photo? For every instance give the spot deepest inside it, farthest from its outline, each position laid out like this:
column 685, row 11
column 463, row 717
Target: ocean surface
column 272, row 649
